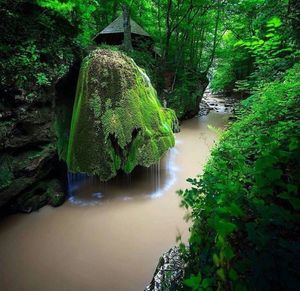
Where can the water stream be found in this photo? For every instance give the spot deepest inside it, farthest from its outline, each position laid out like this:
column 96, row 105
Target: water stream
column 107, row 236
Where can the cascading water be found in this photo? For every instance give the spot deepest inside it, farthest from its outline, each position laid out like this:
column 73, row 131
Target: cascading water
column 130, row 127
column 168, row 166
column 75, row 182
column 85, row 190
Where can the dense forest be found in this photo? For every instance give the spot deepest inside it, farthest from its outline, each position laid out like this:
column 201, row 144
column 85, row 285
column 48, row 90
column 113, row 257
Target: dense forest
column 244, row 207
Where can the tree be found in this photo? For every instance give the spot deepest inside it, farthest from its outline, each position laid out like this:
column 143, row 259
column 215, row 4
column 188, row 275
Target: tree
column 127, row 28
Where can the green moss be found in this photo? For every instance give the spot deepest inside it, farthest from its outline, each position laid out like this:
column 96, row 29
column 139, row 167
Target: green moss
column 62, row 122
column 118, row 122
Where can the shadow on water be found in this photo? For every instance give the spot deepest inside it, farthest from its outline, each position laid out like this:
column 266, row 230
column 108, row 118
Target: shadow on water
column 142, row 183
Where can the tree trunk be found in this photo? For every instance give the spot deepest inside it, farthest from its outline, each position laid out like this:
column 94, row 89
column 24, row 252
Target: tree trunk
column 115, row 8
column 212, row 56
column 127, row 43
column 168, row 32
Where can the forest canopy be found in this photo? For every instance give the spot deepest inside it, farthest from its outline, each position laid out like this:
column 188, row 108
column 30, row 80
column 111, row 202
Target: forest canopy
column 233, row 42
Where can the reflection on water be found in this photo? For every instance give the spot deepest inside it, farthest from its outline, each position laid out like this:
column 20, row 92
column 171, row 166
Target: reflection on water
column 107, row 236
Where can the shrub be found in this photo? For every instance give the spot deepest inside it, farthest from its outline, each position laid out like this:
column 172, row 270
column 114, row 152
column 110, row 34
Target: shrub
column 245, row 207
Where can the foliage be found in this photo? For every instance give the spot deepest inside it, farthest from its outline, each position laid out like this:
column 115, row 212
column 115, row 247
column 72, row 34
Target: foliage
column 39, row 39
column 259, row 44
column 186, row 34
column 36, row 46
column 272, row 54
column 191, row 85
column 78, row 12
column 245, row 207
column 232, row 65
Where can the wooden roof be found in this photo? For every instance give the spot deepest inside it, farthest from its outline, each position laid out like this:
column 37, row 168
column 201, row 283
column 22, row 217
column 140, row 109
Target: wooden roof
column 117, row 27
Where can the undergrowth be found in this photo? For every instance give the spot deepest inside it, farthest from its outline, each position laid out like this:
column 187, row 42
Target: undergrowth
column 245, row 207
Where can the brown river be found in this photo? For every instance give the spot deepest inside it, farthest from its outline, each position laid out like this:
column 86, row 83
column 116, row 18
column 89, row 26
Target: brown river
column 107, row 237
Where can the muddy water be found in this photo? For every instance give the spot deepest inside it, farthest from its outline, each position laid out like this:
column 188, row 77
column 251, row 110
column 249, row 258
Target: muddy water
column 107, row 236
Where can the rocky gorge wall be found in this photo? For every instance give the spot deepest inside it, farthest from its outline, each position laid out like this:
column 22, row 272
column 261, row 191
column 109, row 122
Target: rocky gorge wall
column 37, row 51
column 32, row 136
column 28, row 158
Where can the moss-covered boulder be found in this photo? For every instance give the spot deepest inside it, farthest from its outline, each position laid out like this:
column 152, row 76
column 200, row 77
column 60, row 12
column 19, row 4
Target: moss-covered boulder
column 118, row 122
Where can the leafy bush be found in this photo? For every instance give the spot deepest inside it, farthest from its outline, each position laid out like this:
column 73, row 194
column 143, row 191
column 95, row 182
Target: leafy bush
column 37, row 45
column 185, row 98
column 78, row 12
column 233, row 64
column 273, row 54
column 245, row 207
column 259, row 44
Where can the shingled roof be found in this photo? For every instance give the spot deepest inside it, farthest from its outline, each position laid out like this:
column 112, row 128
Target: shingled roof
column 117, row 27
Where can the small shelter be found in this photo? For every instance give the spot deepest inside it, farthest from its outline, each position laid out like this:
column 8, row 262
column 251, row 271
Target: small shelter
column 113, row 34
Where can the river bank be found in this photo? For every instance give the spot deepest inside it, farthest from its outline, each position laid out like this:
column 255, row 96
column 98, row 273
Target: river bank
column 114, row 242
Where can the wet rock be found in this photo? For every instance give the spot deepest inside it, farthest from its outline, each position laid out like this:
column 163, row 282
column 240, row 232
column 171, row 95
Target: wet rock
column 28, row 157
column 204, row 108
column 20, row 171
column 43, row 193
column 169, row 272
column 55, row 194
column 215, row 102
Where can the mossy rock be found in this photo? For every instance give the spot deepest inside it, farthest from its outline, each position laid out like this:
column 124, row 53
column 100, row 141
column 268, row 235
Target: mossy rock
column 55, row 194
column 118, row 122
column 46, row 192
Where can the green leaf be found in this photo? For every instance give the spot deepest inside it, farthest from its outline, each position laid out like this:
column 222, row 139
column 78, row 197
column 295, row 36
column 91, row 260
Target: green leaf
column 193, row 281
column 216, row 260
column 206, row 283
column 223, row 227
column 228, row 253
column 236, row 210
column 221, row 273
column 233, row 275
column 274, row 22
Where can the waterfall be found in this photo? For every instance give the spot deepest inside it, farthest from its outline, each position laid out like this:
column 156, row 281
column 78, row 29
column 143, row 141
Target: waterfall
column 75, row 181
column 170, row 167
column 85, row 190
column 145, row 76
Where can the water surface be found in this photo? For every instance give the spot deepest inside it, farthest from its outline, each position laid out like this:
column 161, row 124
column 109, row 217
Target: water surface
column 109, row 236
